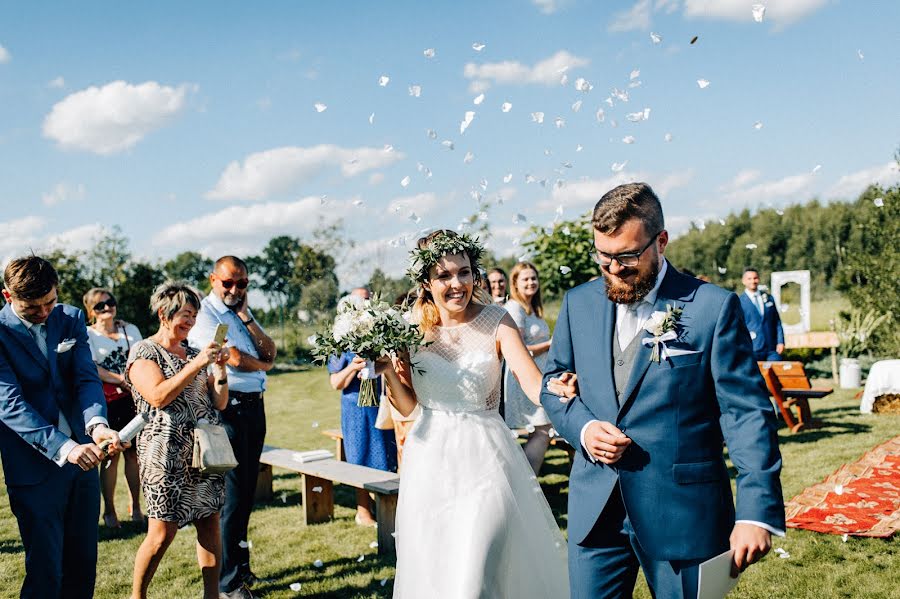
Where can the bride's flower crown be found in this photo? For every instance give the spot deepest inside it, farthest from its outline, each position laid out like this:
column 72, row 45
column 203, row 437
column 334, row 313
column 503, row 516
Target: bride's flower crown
column 422, row 259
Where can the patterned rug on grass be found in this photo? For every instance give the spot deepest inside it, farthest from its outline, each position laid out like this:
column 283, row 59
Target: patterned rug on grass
column 860, row 499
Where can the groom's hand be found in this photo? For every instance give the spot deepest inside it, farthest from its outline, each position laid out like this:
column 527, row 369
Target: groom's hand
column 605, row 442
column 750, row 543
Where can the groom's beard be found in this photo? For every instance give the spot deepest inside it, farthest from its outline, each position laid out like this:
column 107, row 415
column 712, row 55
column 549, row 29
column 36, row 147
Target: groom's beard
column 621, row 292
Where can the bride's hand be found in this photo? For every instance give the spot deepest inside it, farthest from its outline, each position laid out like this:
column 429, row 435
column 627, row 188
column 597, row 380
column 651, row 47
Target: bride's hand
column 565, row 386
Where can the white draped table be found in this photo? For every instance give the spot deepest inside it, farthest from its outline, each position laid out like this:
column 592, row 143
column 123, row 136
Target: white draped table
column 883, row 378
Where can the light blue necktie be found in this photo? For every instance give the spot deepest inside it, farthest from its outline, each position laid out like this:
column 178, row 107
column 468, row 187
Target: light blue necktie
column 759, row 304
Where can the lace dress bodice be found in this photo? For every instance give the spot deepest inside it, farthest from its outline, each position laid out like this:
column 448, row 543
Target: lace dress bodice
column 460, row 371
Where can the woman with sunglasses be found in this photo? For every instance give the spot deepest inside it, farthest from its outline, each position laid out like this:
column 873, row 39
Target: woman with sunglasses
column 111, row 340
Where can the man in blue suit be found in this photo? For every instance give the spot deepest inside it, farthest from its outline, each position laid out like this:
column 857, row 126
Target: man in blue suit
column 761, row 316
column 52, row 419
column 665, row 374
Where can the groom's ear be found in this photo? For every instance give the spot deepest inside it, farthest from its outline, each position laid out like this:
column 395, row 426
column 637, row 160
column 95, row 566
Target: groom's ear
column 663, row 240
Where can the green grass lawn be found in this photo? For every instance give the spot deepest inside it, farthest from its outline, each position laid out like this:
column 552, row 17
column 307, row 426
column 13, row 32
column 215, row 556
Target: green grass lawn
column 300, row 405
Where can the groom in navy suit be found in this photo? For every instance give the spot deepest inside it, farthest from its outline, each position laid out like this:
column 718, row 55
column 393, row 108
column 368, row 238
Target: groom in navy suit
column 665, row 374
column 52, row 419
column 761, row 316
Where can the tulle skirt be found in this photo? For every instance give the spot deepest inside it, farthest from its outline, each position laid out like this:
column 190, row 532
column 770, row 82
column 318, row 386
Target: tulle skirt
column 472, row 520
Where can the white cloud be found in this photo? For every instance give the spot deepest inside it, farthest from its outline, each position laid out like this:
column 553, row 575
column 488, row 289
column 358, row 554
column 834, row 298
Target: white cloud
column 670, row 182
column 548, row 7
column 279, row 170
column 635, row 18
column 5, row 56
column 793, row 188
column 57, row 83
column 63, row 192
column 850, row 186
column 253, row 224
column 422, row 204
column 18, row 237
column 743, row 178
column 544, row 72
column 112, row 118
column 376, row 178
column 582, row 195
column 780, row 13
column 77, row 239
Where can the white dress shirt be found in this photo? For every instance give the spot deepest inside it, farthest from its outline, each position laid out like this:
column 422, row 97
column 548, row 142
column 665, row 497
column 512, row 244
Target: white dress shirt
column 630, row 319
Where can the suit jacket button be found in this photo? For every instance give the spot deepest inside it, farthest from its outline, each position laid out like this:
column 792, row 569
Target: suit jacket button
column 620, row 362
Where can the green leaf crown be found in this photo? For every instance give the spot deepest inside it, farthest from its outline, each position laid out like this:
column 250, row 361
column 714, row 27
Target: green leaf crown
column 422, row 259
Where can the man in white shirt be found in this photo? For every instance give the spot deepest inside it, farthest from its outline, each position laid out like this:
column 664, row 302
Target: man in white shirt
column 52, row 421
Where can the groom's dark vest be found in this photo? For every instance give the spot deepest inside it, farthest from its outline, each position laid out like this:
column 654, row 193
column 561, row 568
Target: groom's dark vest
column 623, row 363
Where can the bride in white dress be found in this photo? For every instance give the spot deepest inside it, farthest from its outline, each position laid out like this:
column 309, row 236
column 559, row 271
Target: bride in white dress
column 472, row 520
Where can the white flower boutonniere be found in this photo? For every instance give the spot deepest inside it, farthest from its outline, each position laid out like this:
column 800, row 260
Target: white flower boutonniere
column 65, row 346
column 662, row 326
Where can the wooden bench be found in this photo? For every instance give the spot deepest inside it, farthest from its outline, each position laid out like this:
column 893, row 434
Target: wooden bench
column 337, row 436
column 317, row 488
column 789, row 386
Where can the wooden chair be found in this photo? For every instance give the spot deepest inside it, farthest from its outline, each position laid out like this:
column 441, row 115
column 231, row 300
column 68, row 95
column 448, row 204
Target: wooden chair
column 789, row 385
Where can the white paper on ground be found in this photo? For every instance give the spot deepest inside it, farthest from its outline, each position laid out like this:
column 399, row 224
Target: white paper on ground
column 715, row 579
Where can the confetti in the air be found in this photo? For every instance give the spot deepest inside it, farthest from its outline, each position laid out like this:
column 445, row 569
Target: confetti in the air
column 415, row 91
column 448, row 144
column 234, row 402
column 428, row 52
column 318, row 563
column 636, row 117
column 758, row 125
column 317, row 489
column 296, row 586
column 559, row 122
column 372, row 119
column 478, row 47
column 384, row 80
column 431, row 133
column 315, row 424
column 529, row 428
column 246, row 544
column 859, row 54
column 722, row 270
column 844, row 537
column 628, row 139
column 467, row 120
column 667, row 137
column 583, row 85
column 817, row 168
column 506, row 107
column 694, row 39
column 751, row 246
column 565, row 270
column 519, row 219
column 383, row 581
column 702, row 83
column 655, row 37
column 373, row 545
column 469, row 157
column 360, row 558
column 579, row 148
column 404, row 181
column 478, row 99
column 600, row 115
column 838, row 489
column 537, row 117
column 634, row 74
column 320, row 107
column 576, row 106
column 618, row 166
column 879, row 202
column 759, row 11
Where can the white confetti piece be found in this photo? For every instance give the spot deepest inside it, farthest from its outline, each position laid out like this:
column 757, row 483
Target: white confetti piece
column 317, row 489
column 467, row 120
column 628, row 139
column 383, row 582
column 537, row 117
column 637, row 117
column 469, row 157
column 619, row 94
column 507, row 177
column 506, row 106
column 315, row 424
column 564, row 80
column 758, row 125
column 844, row 537
column 600, row 115
column 318, row 563
column 722, row 221
column 759, row 11
column 518, row 219
column 576, row 106
column 283, row 497
column 751, row 246
column 879, row 202
column 634, row 74
column 529, row 428
column 431, row 133
column 722, row 270
column 655, row 37
column 566, row 231
column 779, row 550
column 667, row 137
column 415, row 91
column 384, row 80
column 564, row 270
column 548, row 152
column 320, row 107
column 360, row 558
column 859, row 54
column 817, row 168
column 404, row 181
column 583, row 85
column 372, row 119
column 246, row 544
column 838, row 489
column 579, row 148
column 478, row 99
column 618, row 166
column 702, row 83
column 388, row 148
column 478, row 46
column 447, row 144
column 559, row 122
column 428, row 53
column 296, row 586
column 235, row 402
column 373, row 545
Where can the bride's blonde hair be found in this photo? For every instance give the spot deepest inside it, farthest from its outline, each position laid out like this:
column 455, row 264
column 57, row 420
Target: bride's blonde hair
column 424, row 311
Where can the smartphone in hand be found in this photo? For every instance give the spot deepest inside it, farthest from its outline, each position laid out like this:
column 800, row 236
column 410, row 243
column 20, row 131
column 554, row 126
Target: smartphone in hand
column 221, row 332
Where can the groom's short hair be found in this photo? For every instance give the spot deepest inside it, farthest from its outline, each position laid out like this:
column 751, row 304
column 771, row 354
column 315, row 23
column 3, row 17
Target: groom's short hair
column 626, row 202
column 30, row 277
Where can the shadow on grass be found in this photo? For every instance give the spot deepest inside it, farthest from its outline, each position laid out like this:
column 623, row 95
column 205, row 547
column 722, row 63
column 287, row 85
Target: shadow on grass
column 128, row 530
column 828, row 430
column 333, row 569
column 11, row 546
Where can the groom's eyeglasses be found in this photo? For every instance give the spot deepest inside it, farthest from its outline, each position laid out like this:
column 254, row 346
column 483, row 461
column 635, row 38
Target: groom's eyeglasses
column 101, row 306
column 229, row 283
column 626, row 259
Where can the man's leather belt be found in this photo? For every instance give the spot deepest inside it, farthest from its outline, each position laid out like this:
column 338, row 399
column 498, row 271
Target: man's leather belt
column 241, row 396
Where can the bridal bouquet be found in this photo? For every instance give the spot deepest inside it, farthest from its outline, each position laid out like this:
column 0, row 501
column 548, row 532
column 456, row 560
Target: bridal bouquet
column 370, row 329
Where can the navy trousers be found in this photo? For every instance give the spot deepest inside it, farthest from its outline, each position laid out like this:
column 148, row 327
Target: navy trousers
column 246, row 427
column 605, row 565
column 58, row 524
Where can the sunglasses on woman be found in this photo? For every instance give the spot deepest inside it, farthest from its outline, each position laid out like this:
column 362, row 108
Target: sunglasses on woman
column 102, row 306
column 229, row 283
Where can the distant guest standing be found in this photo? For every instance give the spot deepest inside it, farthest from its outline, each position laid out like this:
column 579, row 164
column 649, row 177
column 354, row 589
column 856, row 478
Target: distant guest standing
column 252, row 354
column 761, row 316
column 170, row 384
column 497, row 282
column 363, row 443
column 52, row 419
column 111, row 340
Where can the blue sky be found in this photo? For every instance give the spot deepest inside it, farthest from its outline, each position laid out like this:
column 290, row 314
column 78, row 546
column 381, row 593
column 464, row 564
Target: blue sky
column 193, row 125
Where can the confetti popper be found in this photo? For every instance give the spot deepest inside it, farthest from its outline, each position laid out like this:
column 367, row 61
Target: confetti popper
column 129, row 431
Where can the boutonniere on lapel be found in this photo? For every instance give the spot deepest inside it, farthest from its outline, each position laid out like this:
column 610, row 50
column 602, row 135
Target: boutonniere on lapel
column 662, row 325
column 65, row 346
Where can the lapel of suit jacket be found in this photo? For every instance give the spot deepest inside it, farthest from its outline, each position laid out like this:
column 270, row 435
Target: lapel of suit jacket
column 664, row 296
column 20, row 333
column 605, row 323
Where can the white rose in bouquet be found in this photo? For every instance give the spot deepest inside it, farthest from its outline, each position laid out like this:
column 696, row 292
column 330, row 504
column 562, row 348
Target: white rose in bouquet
column 343, row 326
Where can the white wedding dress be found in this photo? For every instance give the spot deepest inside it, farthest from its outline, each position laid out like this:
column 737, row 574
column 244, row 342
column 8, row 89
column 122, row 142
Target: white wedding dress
column 472, row 520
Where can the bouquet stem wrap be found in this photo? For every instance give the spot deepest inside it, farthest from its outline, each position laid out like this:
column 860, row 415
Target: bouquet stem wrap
column 367, row 398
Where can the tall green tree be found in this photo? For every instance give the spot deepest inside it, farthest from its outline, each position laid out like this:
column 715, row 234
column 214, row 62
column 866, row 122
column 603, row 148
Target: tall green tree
column 106, row 262
column 192, row 267
column 133, row 295
column 563, row 255
column 72, row 280
column 388, row 288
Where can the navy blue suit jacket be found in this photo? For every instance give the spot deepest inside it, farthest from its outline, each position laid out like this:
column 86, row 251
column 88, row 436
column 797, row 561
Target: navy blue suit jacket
column 33, row 390
column 765, row 329
column 673, row 477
